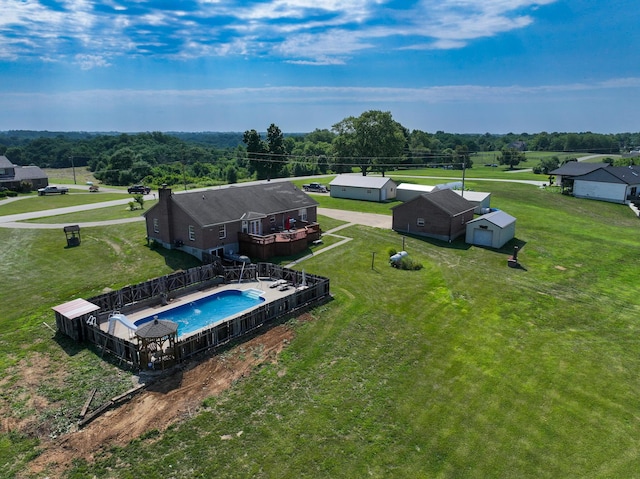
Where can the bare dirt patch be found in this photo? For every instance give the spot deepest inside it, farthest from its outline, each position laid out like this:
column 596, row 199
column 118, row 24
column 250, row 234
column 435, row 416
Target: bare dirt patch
column 164, row 403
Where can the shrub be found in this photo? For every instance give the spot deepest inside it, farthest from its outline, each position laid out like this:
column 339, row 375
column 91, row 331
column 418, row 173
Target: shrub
column 409, row 264
column 392, row 251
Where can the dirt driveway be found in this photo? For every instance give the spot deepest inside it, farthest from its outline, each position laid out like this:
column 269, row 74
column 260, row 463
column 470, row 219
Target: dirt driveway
column 367, row 219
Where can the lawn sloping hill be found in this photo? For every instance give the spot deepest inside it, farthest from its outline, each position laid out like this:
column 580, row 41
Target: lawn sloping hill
column 466, row 368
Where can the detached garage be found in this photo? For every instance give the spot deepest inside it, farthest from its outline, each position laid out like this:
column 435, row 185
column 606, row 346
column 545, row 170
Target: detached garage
column 492, row 230
column 358, row 187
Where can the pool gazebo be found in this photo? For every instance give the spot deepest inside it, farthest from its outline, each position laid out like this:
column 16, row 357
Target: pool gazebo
column 153, row 336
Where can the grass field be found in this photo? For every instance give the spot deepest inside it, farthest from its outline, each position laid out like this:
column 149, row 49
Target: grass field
column 465, row 368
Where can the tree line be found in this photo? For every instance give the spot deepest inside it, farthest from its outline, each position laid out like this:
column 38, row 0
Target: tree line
column 373, row 141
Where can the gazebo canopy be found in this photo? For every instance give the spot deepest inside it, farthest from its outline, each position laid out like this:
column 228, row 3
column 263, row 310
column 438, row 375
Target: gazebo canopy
column 158, row 328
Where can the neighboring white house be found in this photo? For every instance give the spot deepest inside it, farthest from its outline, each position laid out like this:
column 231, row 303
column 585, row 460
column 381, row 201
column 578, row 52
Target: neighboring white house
column 492, row 230
column 358, row 187
column 565, row 175
column 617, row 184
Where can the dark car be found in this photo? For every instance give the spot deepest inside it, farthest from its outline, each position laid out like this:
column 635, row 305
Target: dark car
column 140, row 189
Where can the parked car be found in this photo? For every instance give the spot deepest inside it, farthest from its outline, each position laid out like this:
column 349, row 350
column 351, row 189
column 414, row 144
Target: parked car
column 139, row 189
column 317, row 187
column 52, row 190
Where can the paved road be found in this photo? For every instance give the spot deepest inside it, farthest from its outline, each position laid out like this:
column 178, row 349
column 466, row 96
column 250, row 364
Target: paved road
column 368, row 219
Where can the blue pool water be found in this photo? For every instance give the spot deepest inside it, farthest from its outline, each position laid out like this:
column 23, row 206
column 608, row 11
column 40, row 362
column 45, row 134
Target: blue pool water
column 207, row 311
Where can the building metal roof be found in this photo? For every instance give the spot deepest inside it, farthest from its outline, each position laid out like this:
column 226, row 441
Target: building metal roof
column 414, row 187
column 359, row 181
column 498, row 218
column 236, row 203
column 76, row 308
column 476, row 196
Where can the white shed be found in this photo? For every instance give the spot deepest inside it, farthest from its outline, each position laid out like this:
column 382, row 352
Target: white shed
column 358, row 187
column 492, row 230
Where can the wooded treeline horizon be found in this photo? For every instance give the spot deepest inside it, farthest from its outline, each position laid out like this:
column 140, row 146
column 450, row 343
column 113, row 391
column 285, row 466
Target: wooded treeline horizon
column 210, row 158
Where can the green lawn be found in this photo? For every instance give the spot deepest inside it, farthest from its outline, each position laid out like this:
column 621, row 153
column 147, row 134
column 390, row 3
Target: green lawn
column 466, row 368
column 101, row 214
column 34, row 202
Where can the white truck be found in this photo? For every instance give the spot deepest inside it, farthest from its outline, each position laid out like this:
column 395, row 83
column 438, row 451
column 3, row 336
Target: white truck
column 52, row 190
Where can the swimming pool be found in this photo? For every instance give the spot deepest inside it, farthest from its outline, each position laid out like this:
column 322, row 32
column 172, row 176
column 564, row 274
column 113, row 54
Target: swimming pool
column 207, row 311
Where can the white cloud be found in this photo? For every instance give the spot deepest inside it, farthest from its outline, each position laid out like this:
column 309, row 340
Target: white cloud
column 298, row 31
column 87, row 62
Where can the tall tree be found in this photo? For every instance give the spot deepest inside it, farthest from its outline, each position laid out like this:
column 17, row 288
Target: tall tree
column 256, row 149
column 371, row 141
column 511, row 157
column 277, row 150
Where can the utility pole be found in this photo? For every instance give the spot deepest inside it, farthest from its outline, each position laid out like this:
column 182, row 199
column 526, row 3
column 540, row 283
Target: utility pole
column 73, row 167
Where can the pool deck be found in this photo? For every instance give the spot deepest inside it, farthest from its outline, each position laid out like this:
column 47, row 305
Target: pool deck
column 269, row 294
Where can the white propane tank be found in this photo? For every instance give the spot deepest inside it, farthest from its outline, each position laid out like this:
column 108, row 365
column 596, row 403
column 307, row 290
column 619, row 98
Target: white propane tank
column 398, row 256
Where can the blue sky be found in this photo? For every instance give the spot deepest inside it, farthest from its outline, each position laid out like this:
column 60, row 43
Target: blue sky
column 461, row 66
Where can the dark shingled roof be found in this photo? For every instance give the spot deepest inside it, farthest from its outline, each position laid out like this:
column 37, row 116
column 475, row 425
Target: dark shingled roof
column 29, row 173
column 448, row 201
column 576, row 168
column 236, row 203
column 629, row 175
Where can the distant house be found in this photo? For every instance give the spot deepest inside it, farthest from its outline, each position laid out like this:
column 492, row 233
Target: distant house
column 12, row 176
column 565, row 175
column 358, row 187
column 617, row 184
column 493, row 229
column 517, row 145
column 441, row 214
column 631, row 154
column 599, row 181
column 259, row 221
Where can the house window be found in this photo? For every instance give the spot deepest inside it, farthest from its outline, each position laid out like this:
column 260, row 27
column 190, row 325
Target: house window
column 222, row 232
column 272, row 219
column 192, row 232
column 368, row 192
column 420, row 221
column 302, row 214
column 156, row 225
column 245, row 226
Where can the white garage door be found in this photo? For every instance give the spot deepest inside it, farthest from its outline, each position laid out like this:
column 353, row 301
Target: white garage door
column 483, row 237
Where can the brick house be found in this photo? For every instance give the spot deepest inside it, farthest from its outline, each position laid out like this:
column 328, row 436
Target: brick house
column 441, row 214
column 259, row 221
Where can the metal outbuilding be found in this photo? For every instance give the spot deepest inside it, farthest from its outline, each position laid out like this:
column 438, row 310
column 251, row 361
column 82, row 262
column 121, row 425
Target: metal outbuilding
column 358, row 187
column 492, row 230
